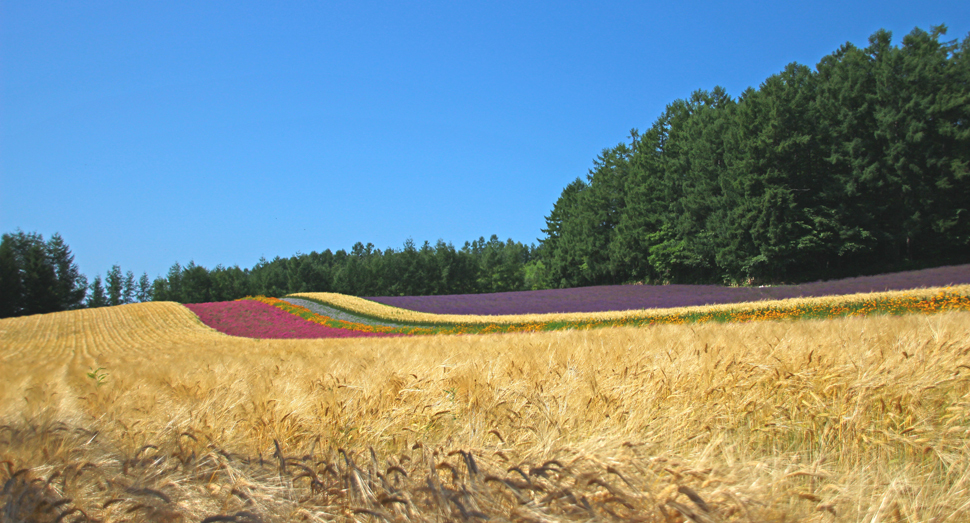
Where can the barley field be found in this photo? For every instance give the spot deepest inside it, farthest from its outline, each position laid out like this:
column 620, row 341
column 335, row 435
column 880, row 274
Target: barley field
column 142, row 413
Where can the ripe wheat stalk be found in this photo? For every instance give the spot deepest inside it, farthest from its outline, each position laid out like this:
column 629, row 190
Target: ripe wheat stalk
column 851, row 419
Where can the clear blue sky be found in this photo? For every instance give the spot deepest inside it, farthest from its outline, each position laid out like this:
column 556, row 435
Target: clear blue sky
column 153, row 132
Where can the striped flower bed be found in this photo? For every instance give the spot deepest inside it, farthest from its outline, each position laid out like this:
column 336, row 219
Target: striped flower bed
column 858, row 305
column 808, row 309
column 256, row 319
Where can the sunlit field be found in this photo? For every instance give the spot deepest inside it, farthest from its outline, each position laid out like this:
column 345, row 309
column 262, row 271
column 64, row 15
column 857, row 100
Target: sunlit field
column 924, row 301
column 142, row 413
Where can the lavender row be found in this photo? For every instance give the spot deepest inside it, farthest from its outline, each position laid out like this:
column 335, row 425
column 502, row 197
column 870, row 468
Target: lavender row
column 632, row 297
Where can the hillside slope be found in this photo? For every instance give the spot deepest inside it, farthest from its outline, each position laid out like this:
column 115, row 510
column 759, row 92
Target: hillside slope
column 853, row 419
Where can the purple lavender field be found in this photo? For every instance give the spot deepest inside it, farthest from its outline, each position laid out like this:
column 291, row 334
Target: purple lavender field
column 631, row 297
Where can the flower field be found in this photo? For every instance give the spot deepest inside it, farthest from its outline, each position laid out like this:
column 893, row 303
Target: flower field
column 258, row 319
column 922, row 301
column 339, row 315
column 634, row 297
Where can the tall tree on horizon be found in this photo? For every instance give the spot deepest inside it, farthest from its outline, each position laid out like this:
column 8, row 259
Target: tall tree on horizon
column 97, row 298
column 114, row 285
column 561, row 261
column 128, row 288
column 144, row 291
column 72, row 286
column 39, row 278
column 11, row 282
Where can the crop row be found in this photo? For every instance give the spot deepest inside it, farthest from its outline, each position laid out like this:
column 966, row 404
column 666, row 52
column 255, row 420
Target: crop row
column 255, row 319
column 369, row 309
column 925, row 301
column 607, row 298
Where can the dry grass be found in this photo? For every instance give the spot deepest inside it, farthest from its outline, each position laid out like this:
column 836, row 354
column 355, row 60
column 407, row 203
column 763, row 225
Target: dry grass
column 369, row 308
column 853, row 419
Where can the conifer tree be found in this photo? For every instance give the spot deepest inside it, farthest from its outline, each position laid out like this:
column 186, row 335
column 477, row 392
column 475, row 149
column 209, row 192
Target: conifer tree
column 37, row 276
column 114, row 285
column 128, row 288
column 39, row 279
column 11, row 282
column 160, row 290
column 144, row 291
column 97, row 298
column 71, row 284
column 171, row 289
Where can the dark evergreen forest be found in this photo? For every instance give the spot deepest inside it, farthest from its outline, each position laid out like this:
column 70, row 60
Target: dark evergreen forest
column 479, row 266
column 38, row 276
column 858, row 166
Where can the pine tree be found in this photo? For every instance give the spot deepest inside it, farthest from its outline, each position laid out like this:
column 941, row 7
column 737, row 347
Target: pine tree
column 128, row 288
column 71, row 284
column 160, row 290
column 97, row 298
column 114, row 285
column 39, row 279
column 144, row 291
column 11, row 282
column 640, row 225
column 196, row 284
column 561, row 264
column 171, row 290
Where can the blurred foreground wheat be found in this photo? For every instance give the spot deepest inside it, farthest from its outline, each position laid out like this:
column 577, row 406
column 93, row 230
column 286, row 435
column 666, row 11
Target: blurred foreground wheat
column 853, row 419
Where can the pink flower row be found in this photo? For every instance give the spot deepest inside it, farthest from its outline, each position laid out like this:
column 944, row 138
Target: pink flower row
column 253, row 319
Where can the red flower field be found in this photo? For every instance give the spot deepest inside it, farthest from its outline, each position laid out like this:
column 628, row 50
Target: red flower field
column 254, row 319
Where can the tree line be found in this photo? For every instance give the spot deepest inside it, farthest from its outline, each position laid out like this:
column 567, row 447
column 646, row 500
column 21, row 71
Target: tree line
column 859, row 166
column 38, row 277
column 478, row 267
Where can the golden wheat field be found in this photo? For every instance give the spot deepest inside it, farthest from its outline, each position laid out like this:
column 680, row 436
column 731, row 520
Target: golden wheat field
column 141, row 413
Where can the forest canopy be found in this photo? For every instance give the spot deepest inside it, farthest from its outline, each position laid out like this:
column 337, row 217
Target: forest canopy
column 857, row 166
column 479, row 266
